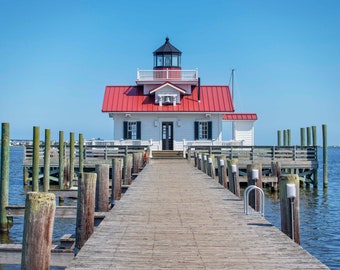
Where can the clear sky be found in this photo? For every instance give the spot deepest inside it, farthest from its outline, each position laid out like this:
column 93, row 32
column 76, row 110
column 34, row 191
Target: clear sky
column 56, row 57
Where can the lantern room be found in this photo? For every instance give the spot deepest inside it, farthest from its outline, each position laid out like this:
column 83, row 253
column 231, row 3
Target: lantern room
column 167, row 56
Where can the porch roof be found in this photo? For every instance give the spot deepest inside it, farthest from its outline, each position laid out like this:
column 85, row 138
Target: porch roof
column 240, row 116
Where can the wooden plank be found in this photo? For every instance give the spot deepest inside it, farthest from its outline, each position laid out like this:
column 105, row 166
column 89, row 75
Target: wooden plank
column 175, row 217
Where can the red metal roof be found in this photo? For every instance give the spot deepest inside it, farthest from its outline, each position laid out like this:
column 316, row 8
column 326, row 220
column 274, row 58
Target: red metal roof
column 131, row 99
column 240, row 116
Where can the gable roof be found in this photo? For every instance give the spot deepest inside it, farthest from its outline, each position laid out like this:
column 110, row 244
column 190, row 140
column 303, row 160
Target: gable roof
column 167, row 84
column 131, row 99
column 240, row 116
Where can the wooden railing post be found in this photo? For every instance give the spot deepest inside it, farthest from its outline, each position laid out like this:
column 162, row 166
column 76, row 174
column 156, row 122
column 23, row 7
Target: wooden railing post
column 38, row 228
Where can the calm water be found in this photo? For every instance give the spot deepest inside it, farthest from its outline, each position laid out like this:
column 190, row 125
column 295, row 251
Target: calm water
column 319, row 216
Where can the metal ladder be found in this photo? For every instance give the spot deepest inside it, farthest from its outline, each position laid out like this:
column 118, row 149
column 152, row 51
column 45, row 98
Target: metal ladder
column 246, row 201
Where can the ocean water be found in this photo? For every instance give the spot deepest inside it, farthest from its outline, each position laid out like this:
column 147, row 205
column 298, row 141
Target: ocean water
column 319, row 211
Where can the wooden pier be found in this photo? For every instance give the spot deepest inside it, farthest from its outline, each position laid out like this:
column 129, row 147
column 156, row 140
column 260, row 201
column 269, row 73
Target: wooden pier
column 174, row 216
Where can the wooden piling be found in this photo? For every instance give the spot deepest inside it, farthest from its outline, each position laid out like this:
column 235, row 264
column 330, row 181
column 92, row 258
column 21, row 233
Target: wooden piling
column 276, row 172
column 116, row 179
column 47, row 160
column 81, row 153
column 285, row 138
column 61, row 159
column 289, row 137
column 315, row 141
column 127, row 168
column 71, row 168
column 279, row 138
column 102, row 188
column 325, row 156
column 135, row 167
column 4, row 184
column 303, row 136
column 38, row 228
column 36, row 145
column 309, row 136
column 290, row 223
column 234, row 182
column 85, row 208
column 254, row 196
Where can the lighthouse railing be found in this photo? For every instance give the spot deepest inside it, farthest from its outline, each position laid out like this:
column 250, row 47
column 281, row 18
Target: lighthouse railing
column 167, row 74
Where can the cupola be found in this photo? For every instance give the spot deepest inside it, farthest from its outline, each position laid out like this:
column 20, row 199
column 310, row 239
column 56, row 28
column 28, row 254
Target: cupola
column 167, row 56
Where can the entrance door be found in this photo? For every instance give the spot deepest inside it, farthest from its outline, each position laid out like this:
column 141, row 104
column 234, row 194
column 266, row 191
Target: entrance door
column 167, row 136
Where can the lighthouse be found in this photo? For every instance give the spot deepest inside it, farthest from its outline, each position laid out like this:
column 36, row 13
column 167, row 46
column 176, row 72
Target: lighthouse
column 168, row 109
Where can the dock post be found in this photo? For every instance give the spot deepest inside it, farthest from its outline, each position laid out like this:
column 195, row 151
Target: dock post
column 199, row 161
column 254, row 179
column 289, row 137
column 279, row 138
column 61, row 159
column 205, row 163
column 81, row 153
column 71, row 172
column 315, row 144
column 102, row 188
column 116, row 179
column 47, row 160
column 4, row 184
column 135, row 166
column 309, row 136
column 285, row 140
column 303, row 136
column 233, row 177
column 127, row 168
column 325, row 156
column 35, row 174
column 289, row 205
column 38, row 228
column 85, row 208
column 276, row 172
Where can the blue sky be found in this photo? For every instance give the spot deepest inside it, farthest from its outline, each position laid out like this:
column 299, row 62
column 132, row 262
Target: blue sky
column 56, row 57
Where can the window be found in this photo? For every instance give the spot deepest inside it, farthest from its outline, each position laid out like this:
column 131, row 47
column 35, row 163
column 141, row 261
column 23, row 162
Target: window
column 203, row 130
column 132, row 130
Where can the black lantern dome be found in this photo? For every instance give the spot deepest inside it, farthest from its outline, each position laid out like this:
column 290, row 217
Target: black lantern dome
column 167, row 56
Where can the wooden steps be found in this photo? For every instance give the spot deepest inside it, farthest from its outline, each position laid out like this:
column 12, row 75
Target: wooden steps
column 167, row 154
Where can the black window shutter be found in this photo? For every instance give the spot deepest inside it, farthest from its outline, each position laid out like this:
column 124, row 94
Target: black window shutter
column 210, row 130
column 196, row 130
column 125, row 131
column 139, row 131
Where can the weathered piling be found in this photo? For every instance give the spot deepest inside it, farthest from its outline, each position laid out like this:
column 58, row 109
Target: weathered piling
column 276, row 172
column 71, row 168
column 222, row 171
column 38, row 228
column 254, row 175
column 315, row 141
column 81, row 153
column 85, row 208
column 303, row 136
column 279, row 138
column 116, row 179
column 289, row 137
column 47, row 160
column 137, row 162
column 325, row 156
column 199, row 161
column 285, row 138
column 211, row 166
column 4, row 184
column 289, row 206
column 234, row 183
column 36, row 145
column 102, row 188
column 309, row 136
column 127, row 168
column 61, row 159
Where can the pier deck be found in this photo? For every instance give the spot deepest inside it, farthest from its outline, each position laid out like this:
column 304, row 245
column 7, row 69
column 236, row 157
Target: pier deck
column 175, row 217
